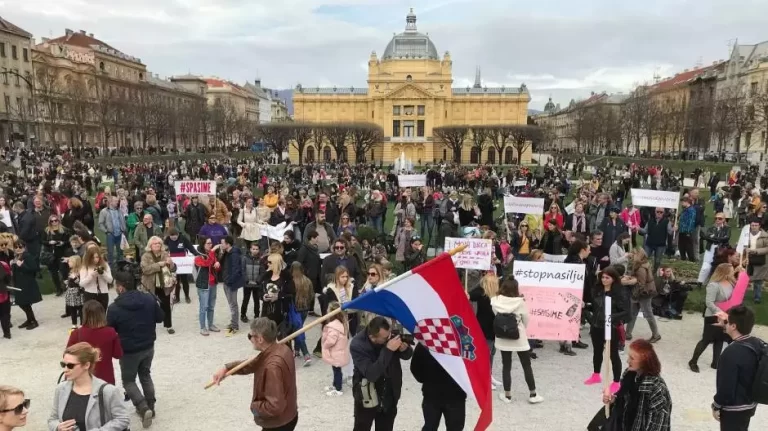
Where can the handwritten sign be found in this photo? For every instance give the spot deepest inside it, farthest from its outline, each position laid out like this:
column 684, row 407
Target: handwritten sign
column 184, row 265
column 412, row 180
column 552, row 293
column 190, row 187
column 477, row 255
column 743, row 240
column 655, row 198
column 519, row 205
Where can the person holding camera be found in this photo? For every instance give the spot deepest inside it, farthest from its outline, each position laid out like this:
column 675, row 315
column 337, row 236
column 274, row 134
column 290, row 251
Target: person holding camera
column 95, row 276
column 378, row 375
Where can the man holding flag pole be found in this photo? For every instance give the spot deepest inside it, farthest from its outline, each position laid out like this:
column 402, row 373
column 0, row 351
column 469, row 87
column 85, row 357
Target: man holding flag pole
column 429, row 301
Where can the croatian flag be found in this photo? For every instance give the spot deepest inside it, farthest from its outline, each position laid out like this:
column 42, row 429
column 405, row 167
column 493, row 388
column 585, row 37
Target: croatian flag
column 430, row 303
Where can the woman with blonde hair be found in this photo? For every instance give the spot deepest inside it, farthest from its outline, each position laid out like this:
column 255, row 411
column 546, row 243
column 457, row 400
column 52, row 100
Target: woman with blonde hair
column 469, row 213
column 95, row 276
column 54, row 245
column 719, row 289
column 249, row 221
column 536, row 256
column 96, row 333
column 278, row 292
column 73, row 405
column 342, row 290
column 375, row 210
column 13, row 408
column 643, row 290
column 73, row 296
column 480, row 298
column 157, row 277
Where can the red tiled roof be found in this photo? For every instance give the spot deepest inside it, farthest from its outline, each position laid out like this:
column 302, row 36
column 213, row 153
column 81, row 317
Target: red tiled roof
column 680, row 78
column 85, row 41
column 9, row 27
column 213, row 82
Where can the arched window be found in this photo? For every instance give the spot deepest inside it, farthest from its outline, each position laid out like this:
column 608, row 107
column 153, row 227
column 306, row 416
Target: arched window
column 310, row 156
column 409, row 78
column 509, row 156
column 491, row 155
column 101, row 66
column 327, row 154
column 474, row 155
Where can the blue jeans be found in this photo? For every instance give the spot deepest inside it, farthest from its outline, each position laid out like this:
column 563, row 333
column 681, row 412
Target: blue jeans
column 657, row 253
column 337, row 377
column 377, row 223
column 114, row 252
column 207, row 298
column 300, row 345
column 757, row 288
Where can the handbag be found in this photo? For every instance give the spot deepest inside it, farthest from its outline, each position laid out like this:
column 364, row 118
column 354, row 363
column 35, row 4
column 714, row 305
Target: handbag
column 169, row 280
column 102, row 415
column 601, row 423
column 46, row 257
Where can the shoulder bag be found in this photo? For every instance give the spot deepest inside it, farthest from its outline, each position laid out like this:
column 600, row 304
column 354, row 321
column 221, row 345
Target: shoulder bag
column 102, row 414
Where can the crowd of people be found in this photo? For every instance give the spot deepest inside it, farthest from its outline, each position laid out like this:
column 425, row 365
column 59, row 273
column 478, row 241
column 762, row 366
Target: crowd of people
column 344, row 230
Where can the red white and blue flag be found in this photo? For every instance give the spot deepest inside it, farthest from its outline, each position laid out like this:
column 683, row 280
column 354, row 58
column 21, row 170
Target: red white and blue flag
column 430, row 303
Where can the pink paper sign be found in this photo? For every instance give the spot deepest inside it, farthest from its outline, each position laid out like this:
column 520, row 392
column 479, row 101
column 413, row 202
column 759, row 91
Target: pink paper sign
column 554, row 313
column 739, row 290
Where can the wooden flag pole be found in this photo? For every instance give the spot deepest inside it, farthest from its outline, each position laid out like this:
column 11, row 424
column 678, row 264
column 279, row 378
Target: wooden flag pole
column 607, row 379
column 466, row 280
column 325, row 317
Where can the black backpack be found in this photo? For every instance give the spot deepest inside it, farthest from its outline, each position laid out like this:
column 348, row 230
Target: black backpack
column 505, row 326
column 760, row 385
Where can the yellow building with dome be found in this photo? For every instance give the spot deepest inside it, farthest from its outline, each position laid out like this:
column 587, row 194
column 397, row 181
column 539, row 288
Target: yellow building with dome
column 409, row 93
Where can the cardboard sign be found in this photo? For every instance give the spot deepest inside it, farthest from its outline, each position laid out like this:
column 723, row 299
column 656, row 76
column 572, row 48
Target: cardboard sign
column 655, row 198
column 190, row 187
column 412, row 180
column 552, row 293
column 515, row 205
column 184, row 265
column 477, row 255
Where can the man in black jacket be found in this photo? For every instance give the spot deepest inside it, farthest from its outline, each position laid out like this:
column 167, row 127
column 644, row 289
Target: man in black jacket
column 378, row 376
column 733, row 405
column 442, row 396
column 310, row 260
column 656, row 231
column 134, row 315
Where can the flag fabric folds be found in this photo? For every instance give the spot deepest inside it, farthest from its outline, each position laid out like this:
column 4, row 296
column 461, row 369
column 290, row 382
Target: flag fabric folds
column 430, row 303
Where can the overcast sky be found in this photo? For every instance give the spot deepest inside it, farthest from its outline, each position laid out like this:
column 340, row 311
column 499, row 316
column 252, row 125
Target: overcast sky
column 562, row 48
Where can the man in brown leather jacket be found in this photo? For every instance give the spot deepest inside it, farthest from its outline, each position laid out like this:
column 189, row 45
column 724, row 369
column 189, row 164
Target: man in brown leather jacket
column 273, row 404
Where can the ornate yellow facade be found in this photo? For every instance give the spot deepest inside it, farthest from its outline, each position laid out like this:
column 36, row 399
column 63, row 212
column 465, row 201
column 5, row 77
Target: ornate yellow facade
column 409, row 93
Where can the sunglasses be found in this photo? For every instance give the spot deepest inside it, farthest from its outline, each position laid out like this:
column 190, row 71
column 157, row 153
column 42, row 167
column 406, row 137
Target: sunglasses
column 373, row 274
column 53, row 221
column 18, row 409
column 67, row 365
column 523, row 225
column 339, row 247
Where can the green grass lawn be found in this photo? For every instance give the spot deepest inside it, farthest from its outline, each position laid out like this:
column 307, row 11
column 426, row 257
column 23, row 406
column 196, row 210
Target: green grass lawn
column 675, row 165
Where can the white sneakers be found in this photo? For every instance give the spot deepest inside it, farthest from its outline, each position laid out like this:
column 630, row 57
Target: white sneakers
column 504, row 398
column 536, row 399
column 334, row 393
column 495, row 382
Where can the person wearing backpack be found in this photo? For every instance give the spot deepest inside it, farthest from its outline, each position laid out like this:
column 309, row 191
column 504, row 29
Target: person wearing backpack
column 742, row 372
column 509, row 326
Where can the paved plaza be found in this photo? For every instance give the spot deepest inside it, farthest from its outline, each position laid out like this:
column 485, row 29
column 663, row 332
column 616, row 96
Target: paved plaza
column 184, row 362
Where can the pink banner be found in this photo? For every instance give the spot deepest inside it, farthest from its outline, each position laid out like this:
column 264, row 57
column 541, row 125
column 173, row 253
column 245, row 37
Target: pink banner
column 554, row 312
column 739, row 290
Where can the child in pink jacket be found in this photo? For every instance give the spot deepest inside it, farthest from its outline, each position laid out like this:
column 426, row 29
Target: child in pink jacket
column 335, row 348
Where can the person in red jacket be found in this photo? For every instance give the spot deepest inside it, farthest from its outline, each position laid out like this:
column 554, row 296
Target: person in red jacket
column 554, row 214
column 96, row 333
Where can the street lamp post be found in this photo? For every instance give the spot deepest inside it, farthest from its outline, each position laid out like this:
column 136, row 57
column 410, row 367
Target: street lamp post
column 32, row 92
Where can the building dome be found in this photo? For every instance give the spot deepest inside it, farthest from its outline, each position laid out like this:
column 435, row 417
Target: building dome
column 550, row 106
column 410, row 44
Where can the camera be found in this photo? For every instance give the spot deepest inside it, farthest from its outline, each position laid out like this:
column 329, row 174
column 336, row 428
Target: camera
column 405, row 338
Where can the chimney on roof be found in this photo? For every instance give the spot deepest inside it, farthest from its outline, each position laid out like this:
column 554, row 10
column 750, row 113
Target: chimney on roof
column 82, row 31
column 68, row 32
column 90, row 34
column 257, row 82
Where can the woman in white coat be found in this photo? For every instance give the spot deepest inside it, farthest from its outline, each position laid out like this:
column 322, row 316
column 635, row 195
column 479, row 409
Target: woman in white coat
column 249, row 221
column 509, row 301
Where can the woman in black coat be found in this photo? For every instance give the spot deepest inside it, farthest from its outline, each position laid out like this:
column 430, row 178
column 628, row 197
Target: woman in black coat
column 480, row 298
column 277, row 292
column 55, row 243
column 25, row 268
column 485, row 204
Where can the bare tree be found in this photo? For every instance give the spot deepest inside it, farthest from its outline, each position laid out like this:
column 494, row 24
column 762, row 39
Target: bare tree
column 301, row 134
column 106, row 109
column 499, row 136
column 277, row 136
column 742, row 116
column 319, row 136
column 337, row 135
column 522, row 137
column 722, row 123
column 77, row 102
column 479, row 141
column 49, row 93
column 577, row 130
column 452, row 137
column 634, row 119
column 24, row 117
column 760, row 102
column 364, row 137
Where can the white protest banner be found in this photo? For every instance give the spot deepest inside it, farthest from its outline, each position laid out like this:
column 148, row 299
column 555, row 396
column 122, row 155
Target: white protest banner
column 514, row 204
column 412, row 180
column 477, row 255
column 608, row 322
column 275, row 232
column 688, row 182
column 520, row 183
column 655, row 198
column 552, row 293
column 706, row 264
column 554, row 258
column 743, row 240
column 184, row 265
column 192, row 187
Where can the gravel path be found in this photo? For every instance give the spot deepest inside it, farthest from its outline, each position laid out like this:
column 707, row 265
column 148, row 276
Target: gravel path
column 185, row 361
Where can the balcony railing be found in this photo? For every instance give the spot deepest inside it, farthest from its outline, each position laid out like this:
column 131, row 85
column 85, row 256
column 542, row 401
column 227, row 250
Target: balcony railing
column 408, row 139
